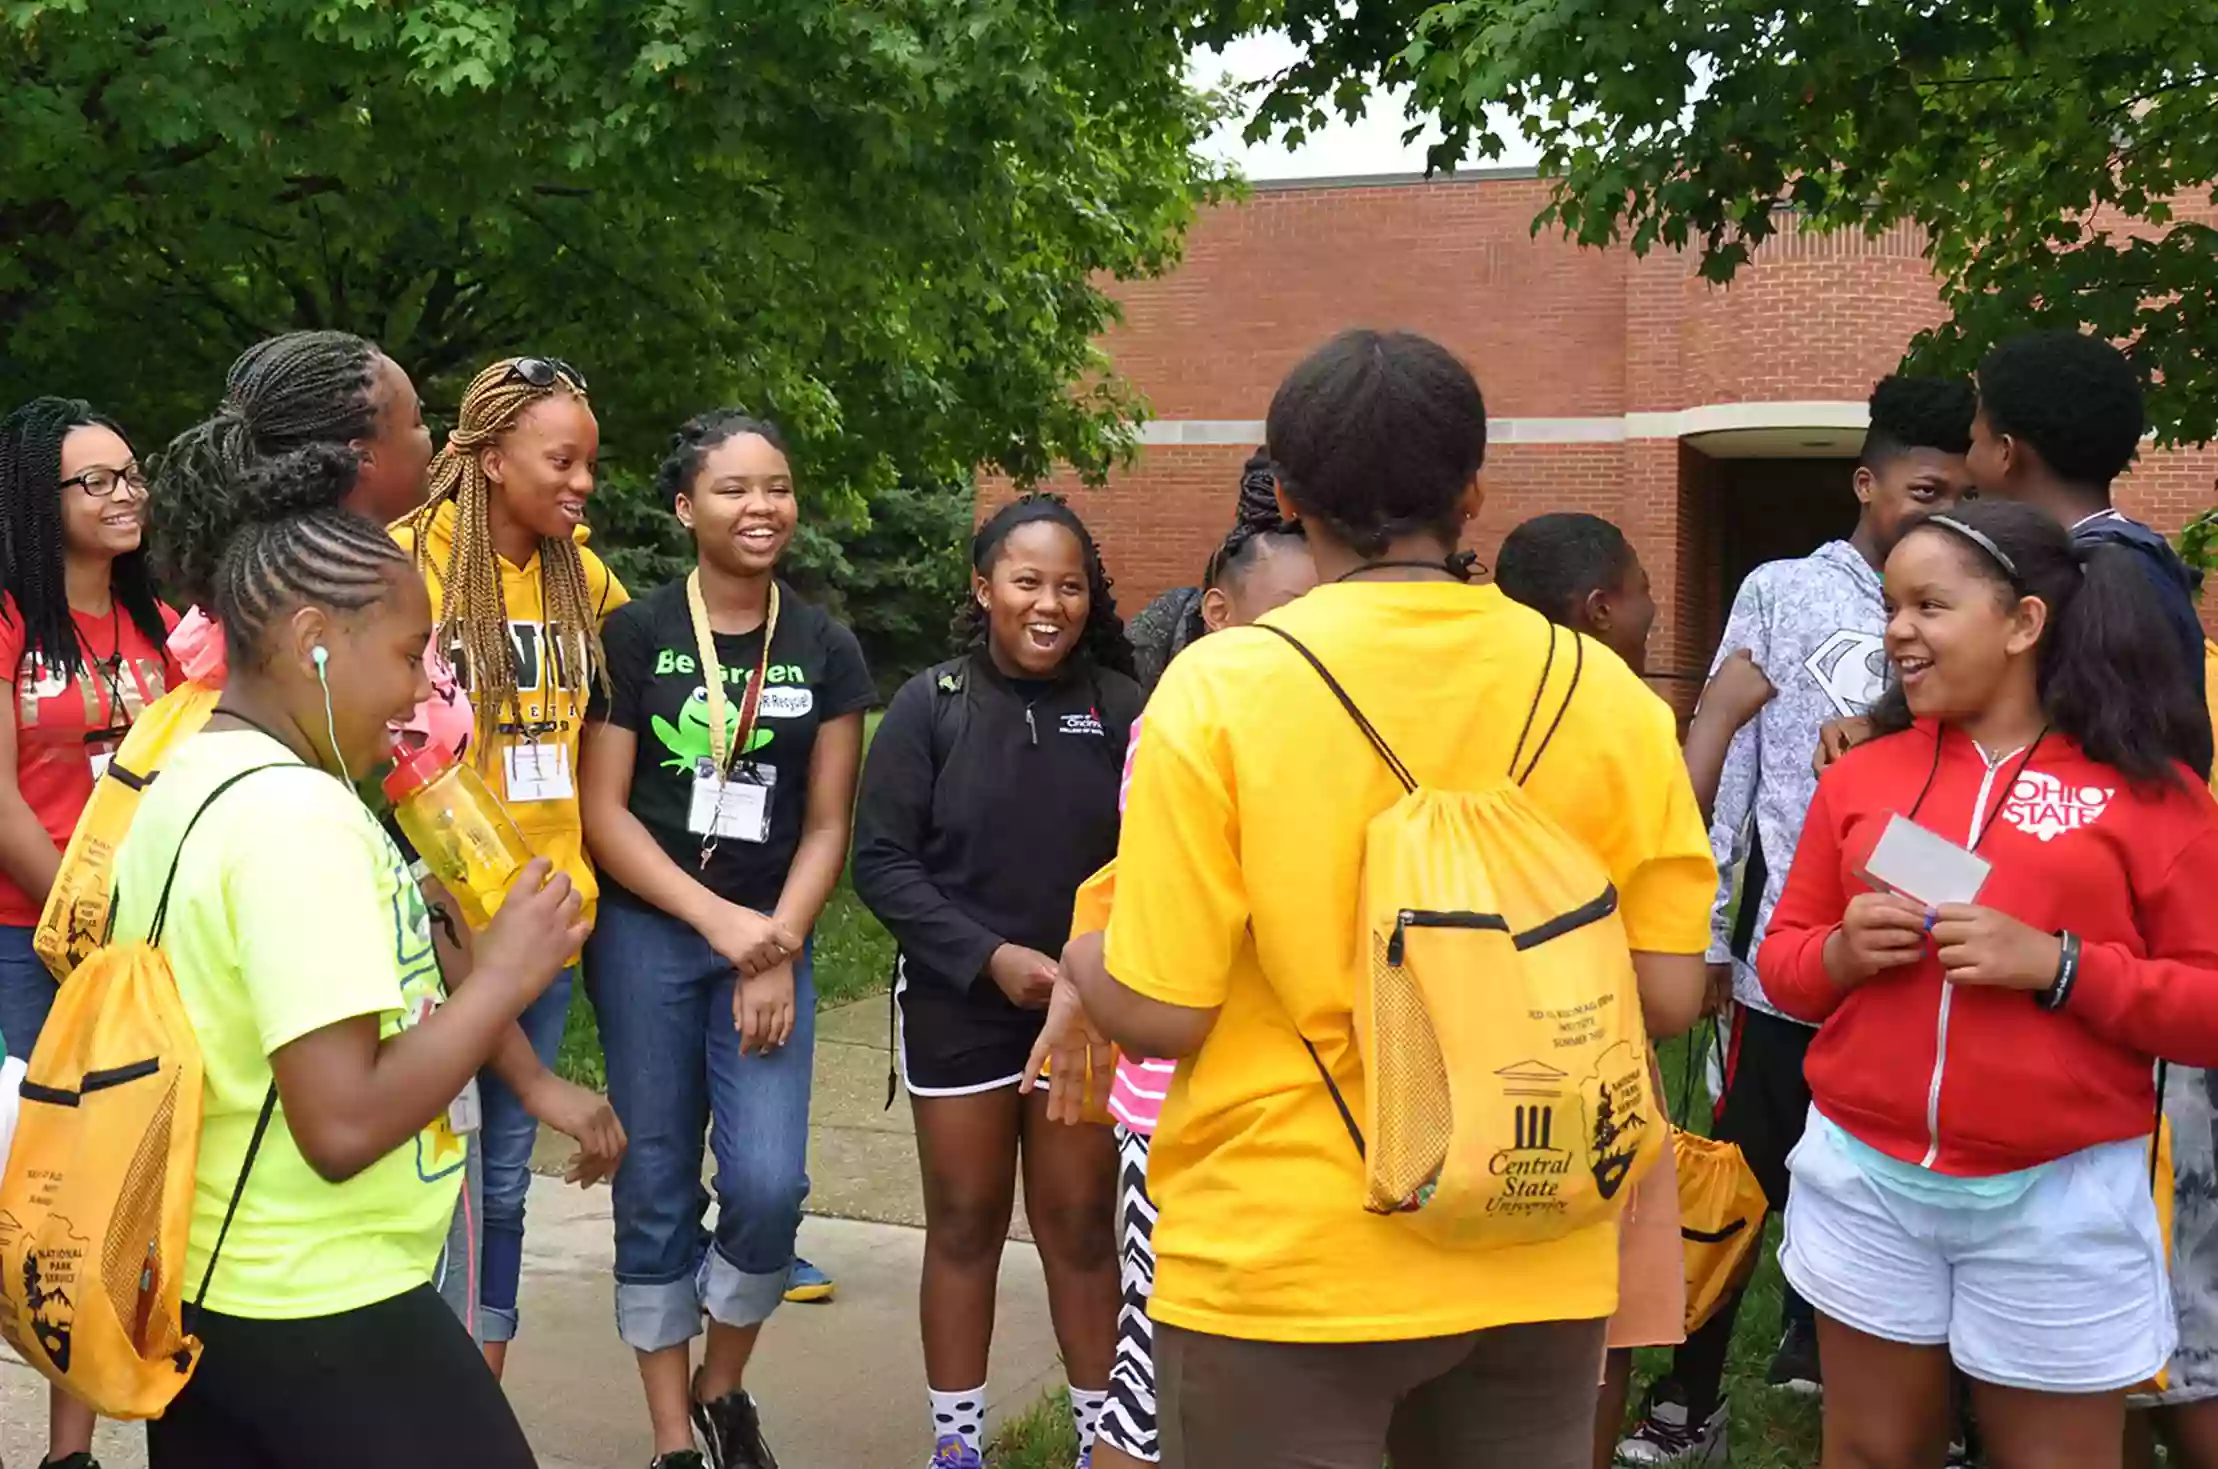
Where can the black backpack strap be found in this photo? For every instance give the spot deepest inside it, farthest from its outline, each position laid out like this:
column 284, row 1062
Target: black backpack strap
column 1370, row 732
column 1578, row 667
column 161, row 906
column 238, row 1191
column 154, row 937
column 950, row 708
column 2156, row 1133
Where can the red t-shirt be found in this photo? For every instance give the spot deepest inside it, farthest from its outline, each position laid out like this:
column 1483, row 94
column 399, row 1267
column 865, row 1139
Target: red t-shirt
column 63, row 731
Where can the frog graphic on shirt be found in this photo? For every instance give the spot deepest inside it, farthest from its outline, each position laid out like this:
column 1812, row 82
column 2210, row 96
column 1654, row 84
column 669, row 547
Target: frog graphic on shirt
column 688, row 739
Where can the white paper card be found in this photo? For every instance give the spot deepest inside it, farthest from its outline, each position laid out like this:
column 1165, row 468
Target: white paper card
column 466, row 1114
column 538, row 772
column 1925, row 868
column 101, row 760
column 737, row 808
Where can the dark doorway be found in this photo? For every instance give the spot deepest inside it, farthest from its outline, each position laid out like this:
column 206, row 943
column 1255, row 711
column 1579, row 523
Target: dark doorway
column 1777, row 509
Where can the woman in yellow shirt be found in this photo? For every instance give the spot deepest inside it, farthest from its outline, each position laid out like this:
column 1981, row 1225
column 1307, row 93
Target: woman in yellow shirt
column 519, row 602
column 1293, row 1327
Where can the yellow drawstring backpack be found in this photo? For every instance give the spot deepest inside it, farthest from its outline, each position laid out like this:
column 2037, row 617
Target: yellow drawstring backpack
column 96, row 1205
column 1721, row 1210
column 1507, row 1096
column 75, row 920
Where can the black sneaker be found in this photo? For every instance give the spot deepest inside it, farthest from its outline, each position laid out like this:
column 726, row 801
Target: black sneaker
column 71, row 1461
column 1795, row 1365
column 732, row 1429
column 682, row 1459
column 1667, row 1437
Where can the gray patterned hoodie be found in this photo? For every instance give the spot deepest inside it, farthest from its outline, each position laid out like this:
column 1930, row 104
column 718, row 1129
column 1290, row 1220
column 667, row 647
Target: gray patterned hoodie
column 1817, row 629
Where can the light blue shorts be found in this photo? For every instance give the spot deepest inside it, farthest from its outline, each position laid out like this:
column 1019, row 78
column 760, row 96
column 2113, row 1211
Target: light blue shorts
column 2062, row 1291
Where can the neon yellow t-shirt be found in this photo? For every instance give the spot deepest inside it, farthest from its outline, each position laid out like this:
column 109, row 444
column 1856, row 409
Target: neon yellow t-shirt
column 554, row 699
column 1237, row 883
column 292, row 911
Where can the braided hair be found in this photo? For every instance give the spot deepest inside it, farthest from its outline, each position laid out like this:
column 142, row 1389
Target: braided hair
column 1102, row 638
column 473, row 612
column 1258, row 506
column 297, row 544
column 31, row 552
column 282, row 394
column 700, row 436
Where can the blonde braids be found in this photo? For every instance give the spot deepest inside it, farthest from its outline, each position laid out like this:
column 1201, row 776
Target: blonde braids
column 473, row 610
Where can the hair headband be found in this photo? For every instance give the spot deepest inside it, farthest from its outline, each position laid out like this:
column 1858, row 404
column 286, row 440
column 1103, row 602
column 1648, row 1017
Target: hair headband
column 1980, row 539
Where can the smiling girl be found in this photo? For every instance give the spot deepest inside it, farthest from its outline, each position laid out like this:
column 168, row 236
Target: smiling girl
column 719, row 775
column 1974, row 1182
column 329, row 1159
column 81, row 643
column 989, row 796
column 518, row 601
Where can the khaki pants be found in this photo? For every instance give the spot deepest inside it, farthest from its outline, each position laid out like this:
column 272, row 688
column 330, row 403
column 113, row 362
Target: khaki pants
column 1515, row 1397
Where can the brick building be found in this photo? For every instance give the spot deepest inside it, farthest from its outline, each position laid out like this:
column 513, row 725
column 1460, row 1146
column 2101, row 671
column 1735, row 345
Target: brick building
column 1718, row 426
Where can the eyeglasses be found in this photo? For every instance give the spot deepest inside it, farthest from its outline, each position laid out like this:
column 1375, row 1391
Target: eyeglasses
column 544, row 372
column 106, row 484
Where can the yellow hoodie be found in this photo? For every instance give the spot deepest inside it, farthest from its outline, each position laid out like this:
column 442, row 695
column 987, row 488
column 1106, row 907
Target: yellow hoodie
column 551, row 825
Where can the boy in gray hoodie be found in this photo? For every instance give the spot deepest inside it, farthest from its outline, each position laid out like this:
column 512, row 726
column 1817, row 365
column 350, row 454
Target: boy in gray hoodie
column 1816, row 628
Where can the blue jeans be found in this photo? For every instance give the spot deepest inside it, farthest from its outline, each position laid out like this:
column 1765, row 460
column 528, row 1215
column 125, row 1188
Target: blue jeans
column 664, row 999
column 506, row 1141
column 27, row 990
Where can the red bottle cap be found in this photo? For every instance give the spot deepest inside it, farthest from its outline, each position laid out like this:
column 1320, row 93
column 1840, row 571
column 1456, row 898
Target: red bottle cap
column 413, row 770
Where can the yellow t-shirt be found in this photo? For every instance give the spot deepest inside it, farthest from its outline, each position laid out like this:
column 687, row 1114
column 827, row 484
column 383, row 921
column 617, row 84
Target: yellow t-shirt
column 1237, row 881
column 293, row 911
column 554, row 699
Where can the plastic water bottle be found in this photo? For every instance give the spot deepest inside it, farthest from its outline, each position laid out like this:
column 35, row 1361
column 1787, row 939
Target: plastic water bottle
column 459, row 827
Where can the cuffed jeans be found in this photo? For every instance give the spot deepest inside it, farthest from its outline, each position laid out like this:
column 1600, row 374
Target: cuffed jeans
column 664, row 1000
column 506, row 1140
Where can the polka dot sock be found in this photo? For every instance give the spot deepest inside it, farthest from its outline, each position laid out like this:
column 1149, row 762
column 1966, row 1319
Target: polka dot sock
column 1085, row 1412
column 962, row 1414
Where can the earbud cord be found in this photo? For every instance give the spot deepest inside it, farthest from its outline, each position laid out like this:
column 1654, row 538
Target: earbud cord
column 331, row 724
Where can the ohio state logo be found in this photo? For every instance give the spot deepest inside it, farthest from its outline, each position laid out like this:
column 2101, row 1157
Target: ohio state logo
column 2042, row 806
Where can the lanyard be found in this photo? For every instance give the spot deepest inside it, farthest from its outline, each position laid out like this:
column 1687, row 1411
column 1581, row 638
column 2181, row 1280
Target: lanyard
column 1940, row 738
column 712, row 676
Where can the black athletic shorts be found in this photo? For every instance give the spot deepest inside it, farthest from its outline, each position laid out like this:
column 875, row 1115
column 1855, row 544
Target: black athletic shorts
column 398, row 1383
column 950, row 1042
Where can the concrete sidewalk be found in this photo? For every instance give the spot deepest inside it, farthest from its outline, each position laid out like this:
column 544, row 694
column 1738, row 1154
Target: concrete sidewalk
column 841, row 1385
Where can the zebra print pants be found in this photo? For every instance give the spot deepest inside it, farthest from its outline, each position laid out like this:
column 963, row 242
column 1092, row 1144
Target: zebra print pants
column 1128, row 1419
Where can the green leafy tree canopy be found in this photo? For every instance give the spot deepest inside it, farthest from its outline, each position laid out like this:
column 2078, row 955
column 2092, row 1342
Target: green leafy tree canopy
column 889, row 225
column 2058, row 153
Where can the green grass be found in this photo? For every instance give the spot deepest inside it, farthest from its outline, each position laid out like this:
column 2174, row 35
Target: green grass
column 1771, row 1430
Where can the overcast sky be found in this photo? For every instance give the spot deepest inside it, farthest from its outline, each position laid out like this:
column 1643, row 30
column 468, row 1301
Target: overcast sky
column 1371, row 145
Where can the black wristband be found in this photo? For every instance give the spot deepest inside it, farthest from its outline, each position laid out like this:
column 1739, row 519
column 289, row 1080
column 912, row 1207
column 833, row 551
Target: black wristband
column 2067, row 970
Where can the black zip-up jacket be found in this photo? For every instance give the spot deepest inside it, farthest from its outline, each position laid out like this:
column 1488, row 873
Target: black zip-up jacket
column 983, row 807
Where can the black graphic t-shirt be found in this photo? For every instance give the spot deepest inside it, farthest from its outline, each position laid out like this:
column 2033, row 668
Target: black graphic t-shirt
column 656, row 692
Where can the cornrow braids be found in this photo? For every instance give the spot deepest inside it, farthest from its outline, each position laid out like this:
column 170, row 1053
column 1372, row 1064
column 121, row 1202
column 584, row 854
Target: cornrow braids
column 697, row 438
column 282, row 394
column 297, row 546
column 1103, row 637
column 1257, row 509
column 31, row 549
column 473, row 611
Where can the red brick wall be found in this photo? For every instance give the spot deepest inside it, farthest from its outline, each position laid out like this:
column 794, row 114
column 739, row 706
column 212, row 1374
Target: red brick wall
column 1552, row 331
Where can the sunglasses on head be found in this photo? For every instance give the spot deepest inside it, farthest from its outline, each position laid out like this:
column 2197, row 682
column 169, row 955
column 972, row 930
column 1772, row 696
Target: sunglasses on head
column 544, row 372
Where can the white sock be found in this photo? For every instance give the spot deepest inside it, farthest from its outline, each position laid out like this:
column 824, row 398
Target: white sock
column 962, row 1414
column 1085, row 1412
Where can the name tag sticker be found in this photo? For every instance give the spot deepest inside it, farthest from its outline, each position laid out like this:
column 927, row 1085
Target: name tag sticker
column 538, row 772
column 1925, row 868
column 738, row 808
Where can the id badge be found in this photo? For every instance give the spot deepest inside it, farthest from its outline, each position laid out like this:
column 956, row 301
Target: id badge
column 465, row 1114
column 1923, row 867
column 737, row 809
column 100, row 754
column 539, row 772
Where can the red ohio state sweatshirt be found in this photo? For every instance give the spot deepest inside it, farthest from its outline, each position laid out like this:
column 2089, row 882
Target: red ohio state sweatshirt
column 1973, row 1080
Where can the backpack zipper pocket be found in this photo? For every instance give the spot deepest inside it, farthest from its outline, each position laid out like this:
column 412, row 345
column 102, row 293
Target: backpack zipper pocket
column 94, row 1081
column 1410, row 918
column 1555, row 928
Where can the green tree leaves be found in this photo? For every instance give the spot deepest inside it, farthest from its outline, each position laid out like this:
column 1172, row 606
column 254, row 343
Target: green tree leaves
column 888, row 225
column 2040, row 143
